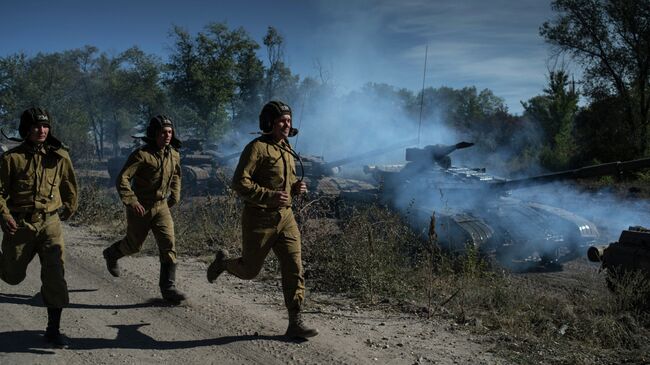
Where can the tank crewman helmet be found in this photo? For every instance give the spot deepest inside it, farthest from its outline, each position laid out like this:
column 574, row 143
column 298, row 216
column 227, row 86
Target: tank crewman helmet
column 37, row 115
column 156, row 124
column 272, row 111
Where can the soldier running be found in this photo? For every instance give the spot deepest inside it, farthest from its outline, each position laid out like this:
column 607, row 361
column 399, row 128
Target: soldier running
column 265, row 178
column 36, row 179
column 149, row 184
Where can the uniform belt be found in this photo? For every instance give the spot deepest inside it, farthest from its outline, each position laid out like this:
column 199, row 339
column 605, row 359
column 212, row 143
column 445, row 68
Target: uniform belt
column 33, row 217
column 271, row 209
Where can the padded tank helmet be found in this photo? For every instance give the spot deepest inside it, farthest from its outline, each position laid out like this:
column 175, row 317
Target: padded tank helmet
column 37, row 115
column 156, row 124
column 272, row 111
column 33, row 116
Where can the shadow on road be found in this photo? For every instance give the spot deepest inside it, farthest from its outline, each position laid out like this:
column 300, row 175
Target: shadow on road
column 37, row 301
column 128, row 337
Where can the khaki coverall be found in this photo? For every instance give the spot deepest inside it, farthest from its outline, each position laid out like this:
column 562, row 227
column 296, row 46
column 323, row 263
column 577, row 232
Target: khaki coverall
column 35, row 181
column 156, row 175
column 265, row 167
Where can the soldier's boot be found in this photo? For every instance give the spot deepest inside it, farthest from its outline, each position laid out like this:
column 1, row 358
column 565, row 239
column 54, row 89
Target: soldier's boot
column 111, row 255
column 297, row 328
column 52, row 333
column 167, row 283
column 217, row 266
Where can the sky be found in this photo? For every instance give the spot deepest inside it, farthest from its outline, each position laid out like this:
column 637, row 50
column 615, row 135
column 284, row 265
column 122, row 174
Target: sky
column 493, row 44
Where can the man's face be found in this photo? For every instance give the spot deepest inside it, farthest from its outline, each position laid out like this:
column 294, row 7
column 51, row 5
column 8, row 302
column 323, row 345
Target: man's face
column 164, row 137
column 281, row 127
column 38, row 133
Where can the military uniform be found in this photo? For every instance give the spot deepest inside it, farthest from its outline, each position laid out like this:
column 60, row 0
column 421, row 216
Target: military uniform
column 156, row 175
column 151, row 177
column 264, row 168
column 35, row 182
column 264, row 177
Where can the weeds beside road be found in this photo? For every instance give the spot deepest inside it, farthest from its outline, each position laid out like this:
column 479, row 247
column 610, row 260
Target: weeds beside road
column 562, row 317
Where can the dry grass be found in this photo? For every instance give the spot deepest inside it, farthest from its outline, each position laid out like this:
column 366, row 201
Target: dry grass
column 99, row 207
column 367, row 252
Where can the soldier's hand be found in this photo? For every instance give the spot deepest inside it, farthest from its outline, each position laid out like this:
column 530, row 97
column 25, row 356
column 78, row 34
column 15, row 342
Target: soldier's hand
column 281, row 198
column 65, row 214
column 138, row 209
column 170, row 202
column 9, row 226
column 299, row 187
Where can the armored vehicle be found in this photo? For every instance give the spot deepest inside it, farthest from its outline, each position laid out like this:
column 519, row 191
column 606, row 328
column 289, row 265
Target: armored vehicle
column 325, row 178
column 473, row 208
column 204, row 171
column 630, row 253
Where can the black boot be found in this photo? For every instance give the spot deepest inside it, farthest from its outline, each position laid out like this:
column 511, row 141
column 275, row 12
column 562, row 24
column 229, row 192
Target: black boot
column 52, row 333
column 217, row 266
column 111, row 255
column 297, row 328
column 167, row 280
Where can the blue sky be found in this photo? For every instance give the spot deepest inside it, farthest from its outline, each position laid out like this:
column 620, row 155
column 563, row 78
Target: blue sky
column 489, row 44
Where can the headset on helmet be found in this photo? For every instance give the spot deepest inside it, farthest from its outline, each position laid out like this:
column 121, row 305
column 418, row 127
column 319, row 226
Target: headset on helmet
column 272, row 111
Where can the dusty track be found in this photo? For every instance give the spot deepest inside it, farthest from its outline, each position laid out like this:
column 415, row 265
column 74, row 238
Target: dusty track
column 120, row 320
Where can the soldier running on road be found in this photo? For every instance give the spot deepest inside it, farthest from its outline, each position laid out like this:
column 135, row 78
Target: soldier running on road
column 265, row 178
column 36, row 179
column 149, row 184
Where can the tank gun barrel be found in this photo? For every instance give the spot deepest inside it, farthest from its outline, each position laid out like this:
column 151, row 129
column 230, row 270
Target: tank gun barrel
column 375, row 152
column 226, row 158
column 434, row 152
column 222, row 159
column 610, row 168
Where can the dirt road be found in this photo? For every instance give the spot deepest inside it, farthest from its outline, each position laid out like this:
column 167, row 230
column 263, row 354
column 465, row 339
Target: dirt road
column 121, row 321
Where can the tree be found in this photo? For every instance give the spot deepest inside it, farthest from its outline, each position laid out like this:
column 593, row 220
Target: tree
column 280, row 82
column 212, row 77
column 50, row 81
column 119, row 92
column 602, row 134
column 555, row 112
column 611, row 40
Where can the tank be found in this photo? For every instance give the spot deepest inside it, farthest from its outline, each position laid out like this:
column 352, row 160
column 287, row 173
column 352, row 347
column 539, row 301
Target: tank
column 473, row 208
column 630, row 253
column 204, row 171
column 325, row 178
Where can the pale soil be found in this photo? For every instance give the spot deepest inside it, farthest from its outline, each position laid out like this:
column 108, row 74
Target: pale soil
column 122, row 321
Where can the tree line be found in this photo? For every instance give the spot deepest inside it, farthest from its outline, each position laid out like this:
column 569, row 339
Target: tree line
column 215, row 81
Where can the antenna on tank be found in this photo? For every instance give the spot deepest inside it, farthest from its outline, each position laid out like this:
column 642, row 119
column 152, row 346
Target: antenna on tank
column 302, row 109
column 424, row 76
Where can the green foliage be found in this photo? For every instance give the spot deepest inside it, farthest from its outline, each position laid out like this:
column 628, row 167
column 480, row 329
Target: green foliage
column 555, row 112
column 610, row 40
column 47, row 80
column 216, row 75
